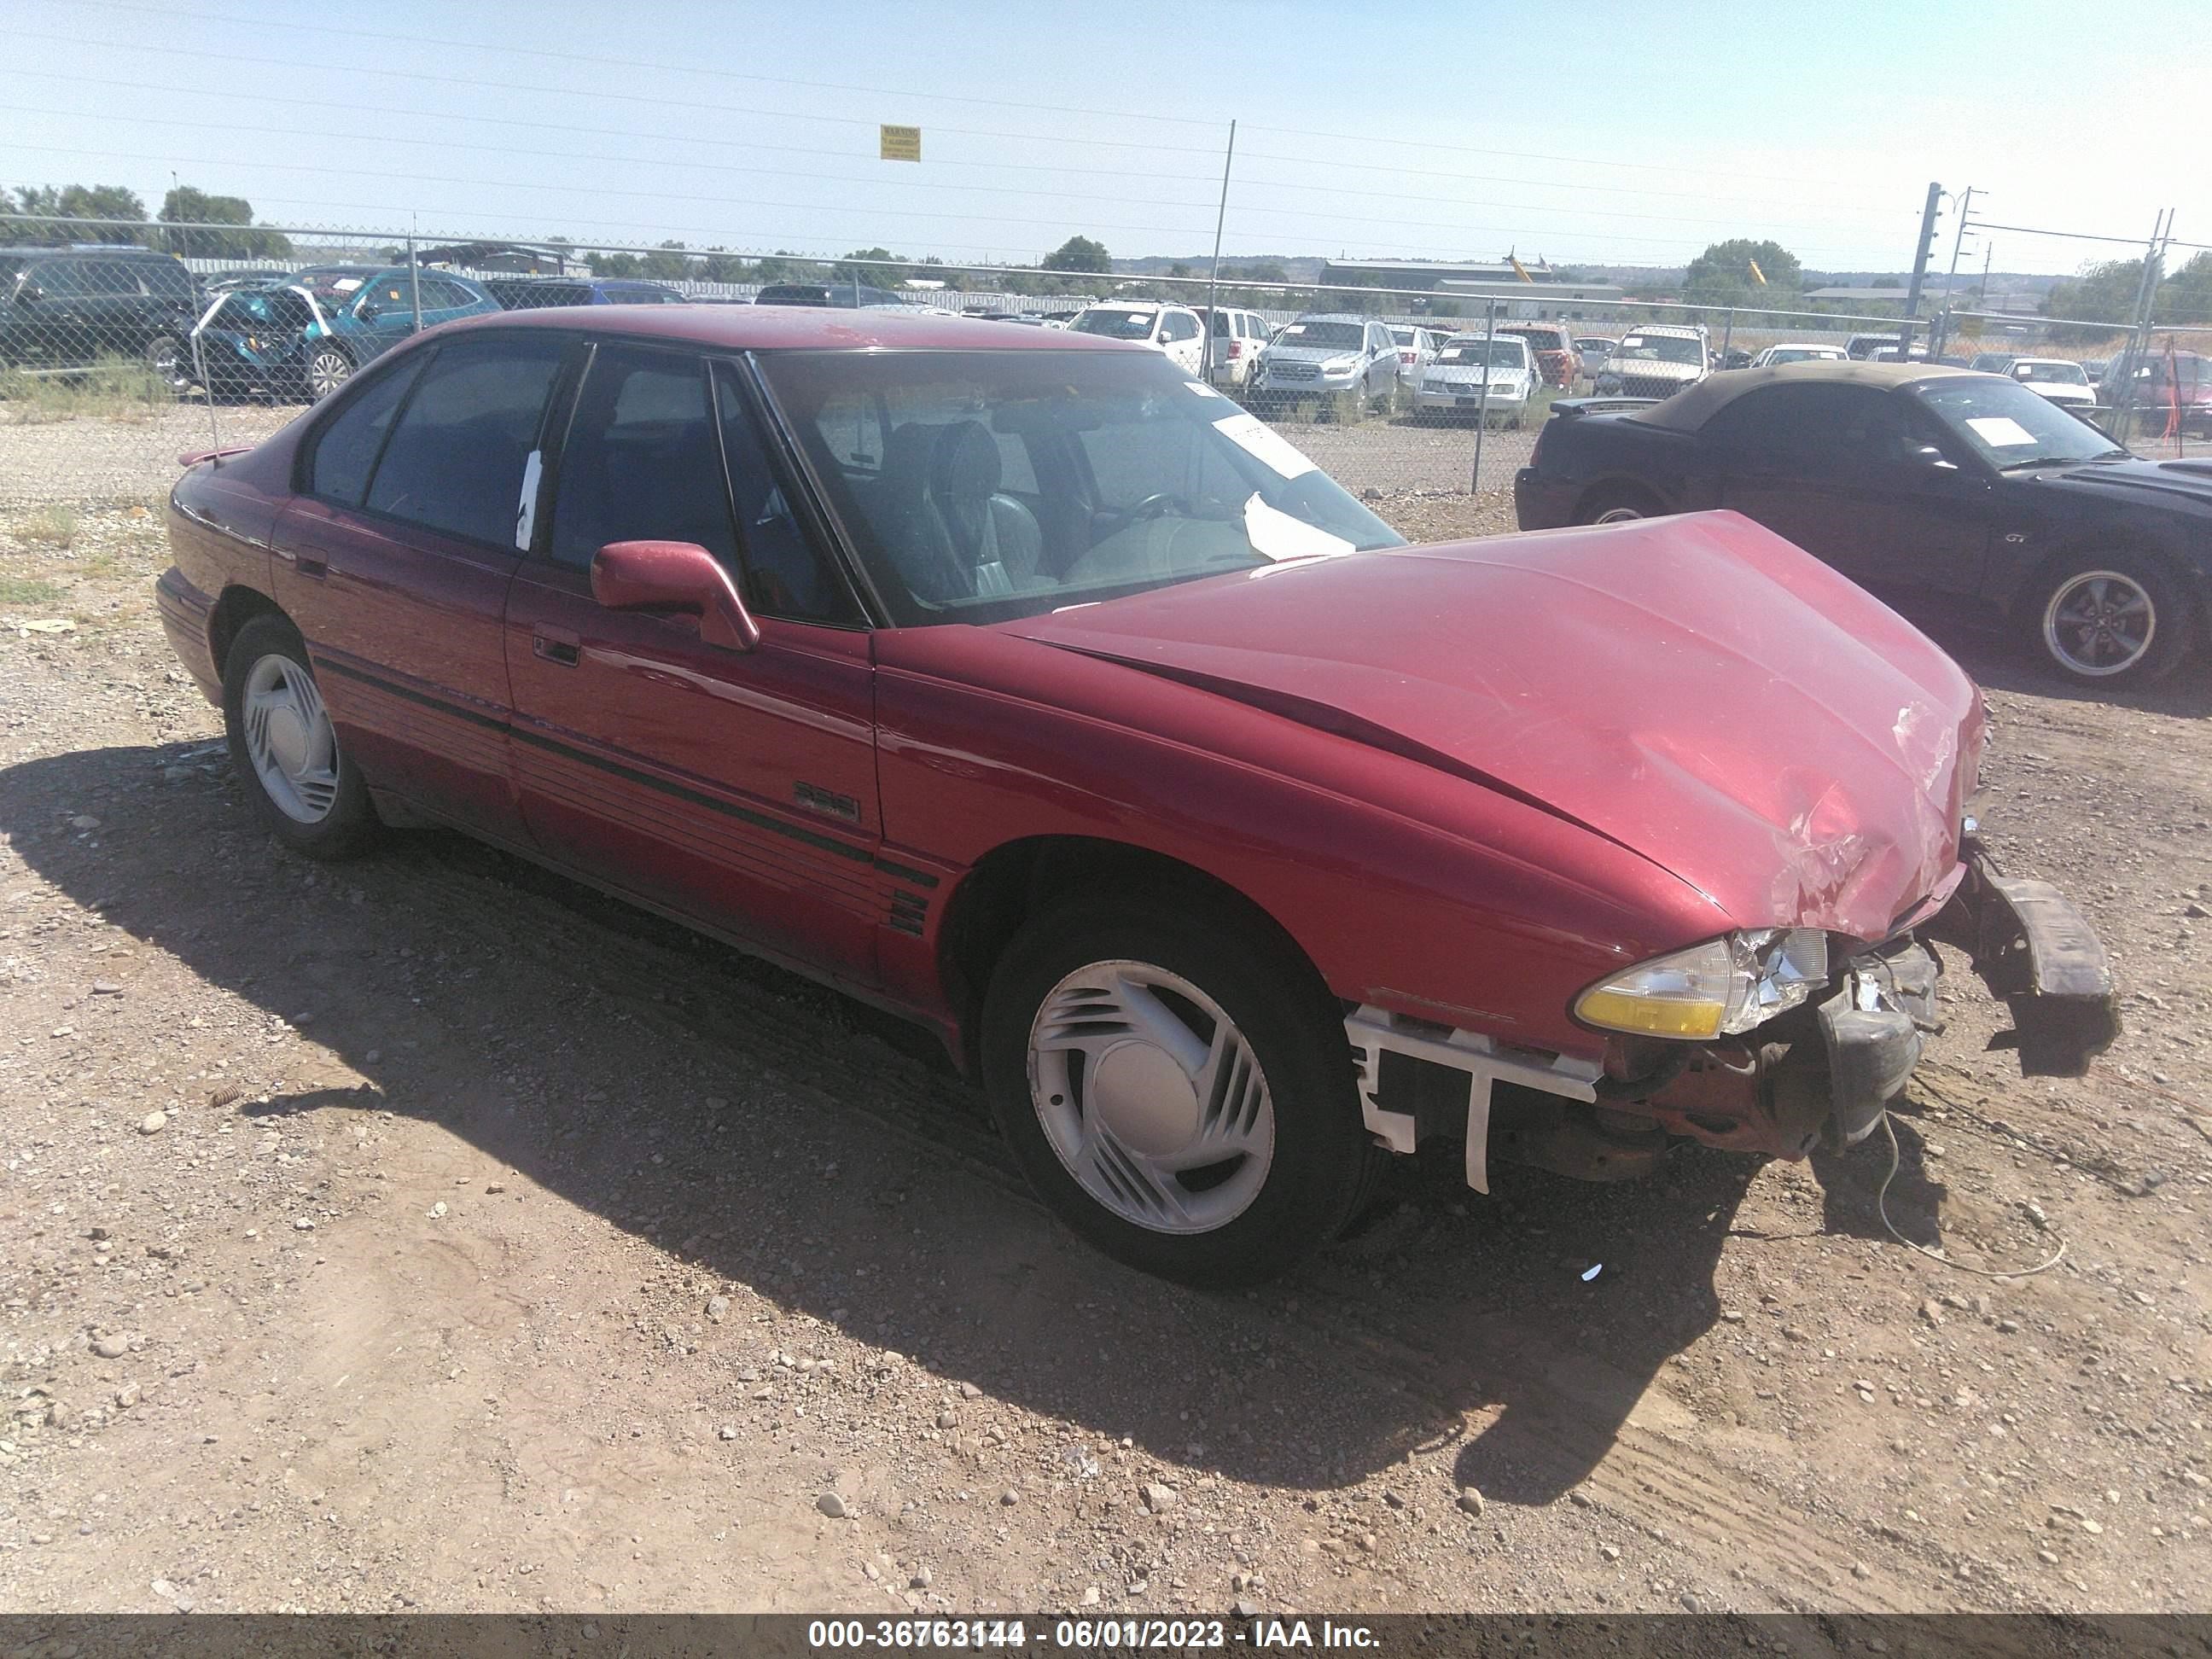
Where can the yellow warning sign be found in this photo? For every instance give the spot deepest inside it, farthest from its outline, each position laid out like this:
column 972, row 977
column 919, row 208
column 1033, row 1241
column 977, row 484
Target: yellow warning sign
column 901, row 143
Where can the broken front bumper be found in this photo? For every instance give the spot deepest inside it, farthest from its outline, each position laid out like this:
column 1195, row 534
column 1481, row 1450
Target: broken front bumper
column 1825, row 1073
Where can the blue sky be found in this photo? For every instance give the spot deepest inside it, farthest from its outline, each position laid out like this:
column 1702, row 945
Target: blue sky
column 1605, row 131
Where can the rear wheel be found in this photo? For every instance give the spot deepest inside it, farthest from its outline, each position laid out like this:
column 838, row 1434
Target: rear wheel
column 1175, row 1086
column 2110, row 619
column 164, row 359
column 326, row 369
column 304, row 789
column 1617, row 504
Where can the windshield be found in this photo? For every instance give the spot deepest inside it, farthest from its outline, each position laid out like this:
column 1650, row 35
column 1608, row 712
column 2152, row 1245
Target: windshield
column 2056, row 374
column 1405, row 336
column 1662, row 348
column 1326, row 336
column 979, row 486
column 2008, row 426
column 1802, row 355
column 333, row 286
column 1502, row 354
column 1542, row 339
column 1116, row 324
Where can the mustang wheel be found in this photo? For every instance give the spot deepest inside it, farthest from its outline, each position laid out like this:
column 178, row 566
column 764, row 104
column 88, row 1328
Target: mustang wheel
column 327, row 368
column 2110, row 619
column 282, row 743
column 1175, row 1087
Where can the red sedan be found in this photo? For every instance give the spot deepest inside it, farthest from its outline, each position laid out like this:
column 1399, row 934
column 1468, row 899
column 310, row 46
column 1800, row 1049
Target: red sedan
column 1019, row 682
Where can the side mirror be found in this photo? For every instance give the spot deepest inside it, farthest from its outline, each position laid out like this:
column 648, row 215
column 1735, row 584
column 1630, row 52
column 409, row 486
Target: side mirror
column 1928, row 459
column 674, row 578
column 30, row 291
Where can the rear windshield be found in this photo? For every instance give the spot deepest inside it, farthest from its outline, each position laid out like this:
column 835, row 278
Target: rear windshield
column 1116, row 324
column 263, row 310
column 529, row 296
column 1544, row 339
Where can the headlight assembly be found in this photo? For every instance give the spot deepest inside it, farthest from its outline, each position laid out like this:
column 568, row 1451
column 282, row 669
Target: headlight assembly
column 1723, row 988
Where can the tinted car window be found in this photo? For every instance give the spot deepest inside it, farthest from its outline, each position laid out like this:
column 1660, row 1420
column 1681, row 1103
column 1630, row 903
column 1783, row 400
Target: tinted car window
column 642, row 462
column 347, row 444
column 785, row 574
column 166, row 277
column 62, row 278
column 1815, row 429
column 1180, row 327
column 455, row 461
column 440, row 295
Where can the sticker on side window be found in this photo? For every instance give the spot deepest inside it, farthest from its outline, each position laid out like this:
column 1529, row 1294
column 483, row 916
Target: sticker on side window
column 525, row 512
column 1264, row 444
column 1999, row 431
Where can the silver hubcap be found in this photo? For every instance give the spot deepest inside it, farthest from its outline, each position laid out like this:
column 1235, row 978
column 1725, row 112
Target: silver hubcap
column 1617, row 515
column 327, row 371
column 1152, row 1097
column 2099, row 622
column 290, row 740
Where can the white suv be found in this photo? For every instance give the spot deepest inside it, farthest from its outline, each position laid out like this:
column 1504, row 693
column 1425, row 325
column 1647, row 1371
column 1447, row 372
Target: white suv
column 1656, row 361
column 1329, row 355
column 1173, row 330
column 1237, row 336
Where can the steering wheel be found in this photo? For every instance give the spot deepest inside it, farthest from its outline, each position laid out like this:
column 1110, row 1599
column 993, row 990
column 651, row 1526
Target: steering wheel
column 1156, row 506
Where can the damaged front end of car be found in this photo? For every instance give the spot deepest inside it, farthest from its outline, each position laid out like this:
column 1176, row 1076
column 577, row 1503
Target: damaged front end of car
column 1770, row 1040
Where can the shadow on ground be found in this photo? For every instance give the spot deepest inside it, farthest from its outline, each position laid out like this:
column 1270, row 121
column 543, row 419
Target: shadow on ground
column 778, row 1135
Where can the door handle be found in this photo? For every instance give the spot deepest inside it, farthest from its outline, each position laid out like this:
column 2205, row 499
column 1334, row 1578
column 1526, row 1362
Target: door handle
column 308, row 566
column 556, row 645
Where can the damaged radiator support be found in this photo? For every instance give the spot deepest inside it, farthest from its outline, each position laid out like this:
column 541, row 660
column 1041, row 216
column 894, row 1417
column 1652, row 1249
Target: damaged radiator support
column 1374, row 1032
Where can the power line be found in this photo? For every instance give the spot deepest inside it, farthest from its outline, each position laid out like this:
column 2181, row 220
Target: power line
column 1008, row 190
column 508, row 50
column 595, row 93
column 569, row 127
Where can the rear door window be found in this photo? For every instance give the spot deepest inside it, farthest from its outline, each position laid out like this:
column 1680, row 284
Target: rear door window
column 455, row 461
column 349, row 443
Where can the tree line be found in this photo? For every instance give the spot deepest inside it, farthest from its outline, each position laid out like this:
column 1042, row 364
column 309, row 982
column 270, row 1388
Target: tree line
column 75, row 213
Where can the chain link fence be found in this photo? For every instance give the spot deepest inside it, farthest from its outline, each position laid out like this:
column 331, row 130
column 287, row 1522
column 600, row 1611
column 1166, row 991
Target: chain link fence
column 202, row 336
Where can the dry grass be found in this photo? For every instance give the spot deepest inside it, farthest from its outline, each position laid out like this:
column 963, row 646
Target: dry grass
column 50, row 527
column 115, row 388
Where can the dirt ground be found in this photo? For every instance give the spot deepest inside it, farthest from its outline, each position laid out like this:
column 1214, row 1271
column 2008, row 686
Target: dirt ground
column 427, row 1233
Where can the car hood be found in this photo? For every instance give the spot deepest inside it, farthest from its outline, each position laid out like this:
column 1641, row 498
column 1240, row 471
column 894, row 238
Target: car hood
column 2161, row 483
column 1694, row 688
column 2062, row 391
column 1651, row 368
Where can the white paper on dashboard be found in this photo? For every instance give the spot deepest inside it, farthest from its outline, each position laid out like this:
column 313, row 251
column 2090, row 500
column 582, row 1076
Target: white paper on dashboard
column 1264, row 444
column 1276, row 534
column 1999, row 431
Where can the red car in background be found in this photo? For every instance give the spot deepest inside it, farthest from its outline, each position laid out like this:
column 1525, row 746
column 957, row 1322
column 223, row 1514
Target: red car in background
column 1019, row 682
column 1558, row 358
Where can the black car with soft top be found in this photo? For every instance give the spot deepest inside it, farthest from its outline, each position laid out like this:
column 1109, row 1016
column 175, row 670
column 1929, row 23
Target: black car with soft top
column 1934, row 487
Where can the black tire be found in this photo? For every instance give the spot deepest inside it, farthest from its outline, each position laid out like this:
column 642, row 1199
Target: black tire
column 2058, row 617
column 1322, row 1162
column 350, row 823
column 1614, row 503
column 323, row 369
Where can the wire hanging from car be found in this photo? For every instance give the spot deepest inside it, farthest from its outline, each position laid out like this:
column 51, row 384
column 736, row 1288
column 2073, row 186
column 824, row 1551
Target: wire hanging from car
column 1881, row 1207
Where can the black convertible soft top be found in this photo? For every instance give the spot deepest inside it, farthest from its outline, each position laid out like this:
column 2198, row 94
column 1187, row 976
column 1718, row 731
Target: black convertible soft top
column 1691, row 408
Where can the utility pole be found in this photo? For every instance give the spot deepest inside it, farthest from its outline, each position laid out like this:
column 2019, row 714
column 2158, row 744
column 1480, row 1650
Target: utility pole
column 2139, row 332
column 1943, row 320
column 1919, row 270
column 1213, row 277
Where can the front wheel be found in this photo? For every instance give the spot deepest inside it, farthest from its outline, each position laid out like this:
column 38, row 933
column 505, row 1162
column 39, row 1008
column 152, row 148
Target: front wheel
column 1175, row 1086
column 326, row 369
column 2110, row 619
column 305, row 790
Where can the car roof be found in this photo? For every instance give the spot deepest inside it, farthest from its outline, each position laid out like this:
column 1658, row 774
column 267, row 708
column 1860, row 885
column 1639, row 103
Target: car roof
column 92, row 249
column 1691, row 408
column 796, row 328
column 1664, row 328
column 1334, row 317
